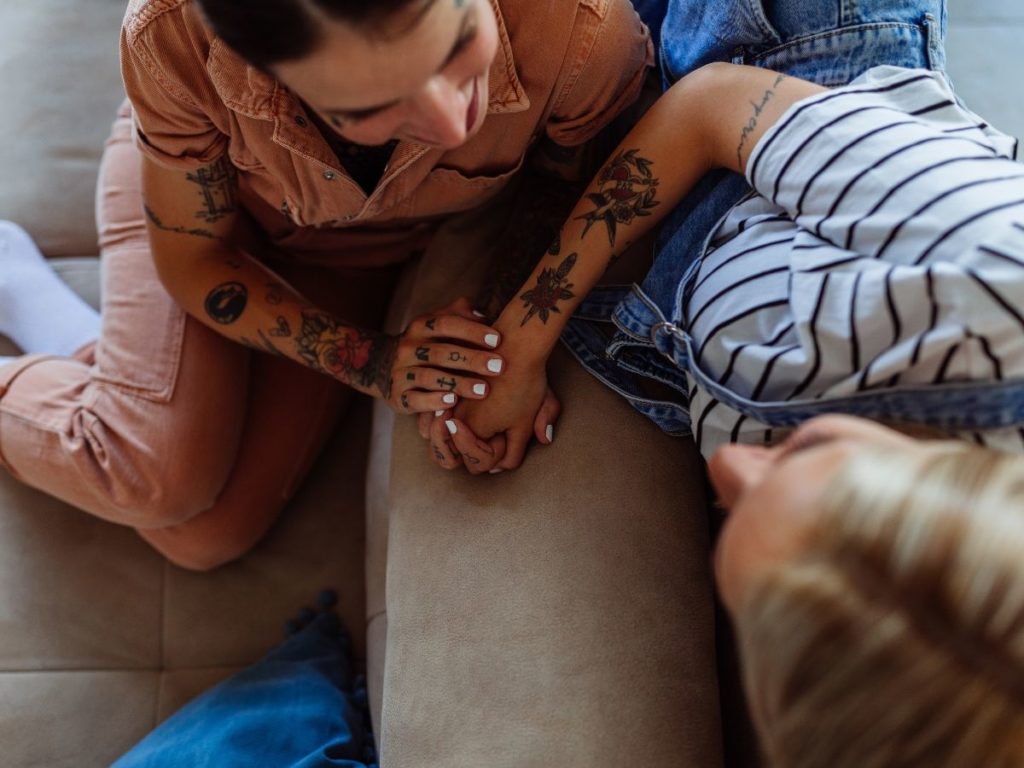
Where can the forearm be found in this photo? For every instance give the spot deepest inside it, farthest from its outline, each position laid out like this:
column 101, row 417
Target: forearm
column 241, row 299
column 710, row 119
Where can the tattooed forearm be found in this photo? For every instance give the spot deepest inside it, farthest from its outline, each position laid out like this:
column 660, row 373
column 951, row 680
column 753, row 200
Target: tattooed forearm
column 195, row 232
column 751, row 124
column 283, row 329
column 626, row 189
column 218, row 183
column 540, row 208
column 263, row 345
column 347, row 353
column 552, row 287
column 226, row 303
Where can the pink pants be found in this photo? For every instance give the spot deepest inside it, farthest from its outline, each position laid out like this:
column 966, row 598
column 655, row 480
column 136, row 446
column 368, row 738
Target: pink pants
column 162, row 424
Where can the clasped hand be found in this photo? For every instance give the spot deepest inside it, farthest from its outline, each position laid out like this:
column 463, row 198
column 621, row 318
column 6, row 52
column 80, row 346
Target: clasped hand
column 492, row 434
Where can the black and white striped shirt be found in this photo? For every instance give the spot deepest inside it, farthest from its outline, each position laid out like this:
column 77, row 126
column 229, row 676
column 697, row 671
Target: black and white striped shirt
column 883, row 247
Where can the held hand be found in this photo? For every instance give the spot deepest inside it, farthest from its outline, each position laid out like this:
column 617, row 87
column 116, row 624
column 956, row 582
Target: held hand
column 508, row 418
column 442, row 357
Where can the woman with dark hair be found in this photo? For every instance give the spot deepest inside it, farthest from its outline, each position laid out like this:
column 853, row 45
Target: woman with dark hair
column 274, row 165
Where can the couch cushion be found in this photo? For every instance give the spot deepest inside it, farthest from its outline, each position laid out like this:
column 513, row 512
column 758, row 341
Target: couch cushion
column 59, row 86
column 556, row 615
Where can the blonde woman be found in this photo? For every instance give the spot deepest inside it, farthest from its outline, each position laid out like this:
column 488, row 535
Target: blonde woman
column 877, row 589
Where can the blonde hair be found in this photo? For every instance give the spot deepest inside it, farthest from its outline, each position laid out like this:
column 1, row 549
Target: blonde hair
column 897, row 637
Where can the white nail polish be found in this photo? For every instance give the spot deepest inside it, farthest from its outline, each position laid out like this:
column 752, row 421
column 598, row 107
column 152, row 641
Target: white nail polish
column 439, row 413
column 491, row 340
column 451, row 426
column 494, row 365
column 550, row 433
column 449, row 398
column 477, row 313
column 496, row 471
column 480, row 389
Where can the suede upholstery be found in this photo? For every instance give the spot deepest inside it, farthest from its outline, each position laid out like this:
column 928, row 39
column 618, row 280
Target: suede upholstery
column 556, row 616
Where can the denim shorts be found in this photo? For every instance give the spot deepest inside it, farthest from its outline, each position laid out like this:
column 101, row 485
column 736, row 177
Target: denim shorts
column 624, row 333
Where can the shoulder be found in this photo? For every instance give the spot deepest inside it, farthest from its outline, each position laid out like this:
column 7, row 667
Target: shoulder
column 170, row 40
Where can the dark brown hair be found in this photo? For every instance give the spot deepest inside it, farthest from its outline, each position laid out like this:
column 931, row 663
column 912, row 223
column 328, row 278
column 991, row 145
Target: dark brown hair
column 266, row 32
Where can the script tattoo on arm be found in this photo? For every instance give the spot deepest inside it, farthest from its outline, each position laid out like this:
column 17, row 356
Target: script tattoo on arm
column 626, row 189
column 552, row 287
column 751, row 124
column 218, row 183
column 347, row 353
column 194, row 231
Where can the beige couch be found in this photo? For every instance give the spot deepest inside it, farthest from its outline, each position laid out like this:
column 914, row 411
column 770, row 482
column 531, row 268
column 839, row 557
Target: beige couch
column 557, row 616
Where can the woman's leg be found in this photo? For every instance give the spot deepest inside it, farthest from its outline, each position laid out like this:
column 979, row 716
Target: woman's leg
column 142, row 427
column 163, row 421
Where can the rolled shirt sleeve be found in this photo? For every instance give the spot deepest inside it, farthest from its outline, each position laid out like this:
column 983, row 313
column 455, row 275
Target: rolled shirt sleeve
column 167, row 89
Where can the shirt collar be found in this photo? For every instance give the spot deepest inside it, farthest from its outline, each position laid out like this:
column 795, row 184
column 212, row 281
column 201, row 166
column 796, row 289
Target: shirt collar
column 251, row 91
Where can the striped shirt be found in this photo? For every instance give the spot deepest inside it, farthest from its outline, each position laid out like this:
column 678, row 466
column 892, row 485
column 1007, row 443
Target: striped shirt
column 883, row 247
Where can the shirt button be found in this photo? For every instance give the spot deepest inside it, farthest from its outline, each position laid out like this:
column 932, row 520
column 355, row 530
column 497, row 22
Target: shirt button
column 330, row 175
column 300, row 121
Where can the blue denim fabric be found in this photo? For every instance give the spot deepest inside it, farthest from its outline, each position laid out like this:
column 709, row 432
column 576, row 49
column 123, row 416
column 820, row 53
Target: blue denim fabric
column 295, row 708
column 830, row 42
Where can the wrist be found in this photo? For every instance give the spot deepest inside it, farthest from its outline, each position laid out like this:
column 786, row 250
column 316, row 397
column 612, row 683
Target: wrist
column 526, row 345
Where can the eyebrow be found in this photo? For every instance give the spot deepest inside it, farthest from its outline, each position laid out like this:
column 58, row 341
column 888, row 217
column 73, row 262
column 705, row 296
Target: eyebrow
column 461, row 39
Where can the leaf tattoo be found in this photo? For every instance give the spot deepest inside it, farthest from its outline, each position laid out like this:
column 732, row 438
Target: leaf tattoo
column 552, row 286
column 626, row 190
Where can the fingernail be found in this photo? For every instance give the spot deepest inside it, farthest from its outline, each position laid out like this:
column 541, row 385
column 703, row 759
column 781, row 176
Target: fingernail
column 439, row 413
column 449, row 398
column 496, row 471
column 451, row 426
column 480, row 389
column 491, row 340
column 478, row 313
column 550, row 433
column 494, row 365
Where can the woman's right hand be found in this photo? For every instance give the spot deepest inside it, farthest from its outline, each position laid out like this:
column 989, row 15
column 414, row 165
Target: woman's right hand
column 441, row 357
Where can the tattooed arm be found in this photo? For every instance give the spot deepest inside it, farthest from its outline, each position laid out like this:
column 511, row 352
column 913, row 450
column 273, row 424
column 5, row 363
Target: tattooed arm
column 712, row 118
column 192, row 217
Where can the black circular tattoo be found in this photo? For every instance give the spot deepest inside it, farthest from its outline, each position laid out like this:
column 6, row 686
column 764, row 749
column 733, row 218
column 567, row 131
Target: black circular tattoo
column 226, row 302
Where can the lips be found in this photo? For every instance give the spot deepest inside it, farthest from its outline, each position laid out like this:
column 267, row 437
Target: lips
column 474, row 107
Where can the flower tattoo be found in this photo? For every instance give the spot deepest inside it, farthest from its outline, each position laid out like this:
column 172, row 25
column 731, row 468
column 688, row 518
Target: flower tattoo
column 552, row 286
column 626, row 190
column 346, row 353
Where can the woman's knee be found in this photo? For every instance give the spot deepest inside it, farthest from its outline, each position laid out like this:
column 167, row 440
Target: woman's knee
column 154, row 478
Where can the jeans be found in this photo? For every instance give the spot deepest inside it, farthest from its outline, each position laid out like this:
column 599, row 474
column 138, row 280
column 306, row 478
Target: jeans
column 830, row 42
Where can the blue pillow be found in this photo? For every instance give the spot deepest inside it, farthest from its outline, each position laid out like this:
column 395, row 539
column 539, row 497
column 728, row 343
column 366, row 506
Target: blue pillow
column 296, row 708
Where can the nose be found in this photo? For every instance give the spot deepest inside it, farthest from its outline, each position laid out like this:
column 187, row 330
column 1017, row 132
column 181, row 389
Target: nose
column 735, row 469
column 441, row 112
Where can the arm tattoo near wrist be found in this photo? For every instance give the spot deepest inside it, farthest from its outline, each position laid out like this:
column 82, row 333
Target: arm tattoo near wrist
column 552, row 287
column 540, row 209
column 751, row 124
column 626, row 189
column 354, row 356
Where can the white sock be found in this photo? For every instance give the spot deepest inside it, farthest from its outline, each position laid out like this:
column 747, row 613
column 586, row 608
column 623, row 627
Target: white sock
column 38, row 311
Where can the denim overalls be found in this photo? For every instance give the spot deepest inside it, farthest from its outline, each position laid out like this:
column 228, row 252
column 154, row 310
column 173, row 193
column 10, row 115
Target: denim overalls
column 829, row 42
